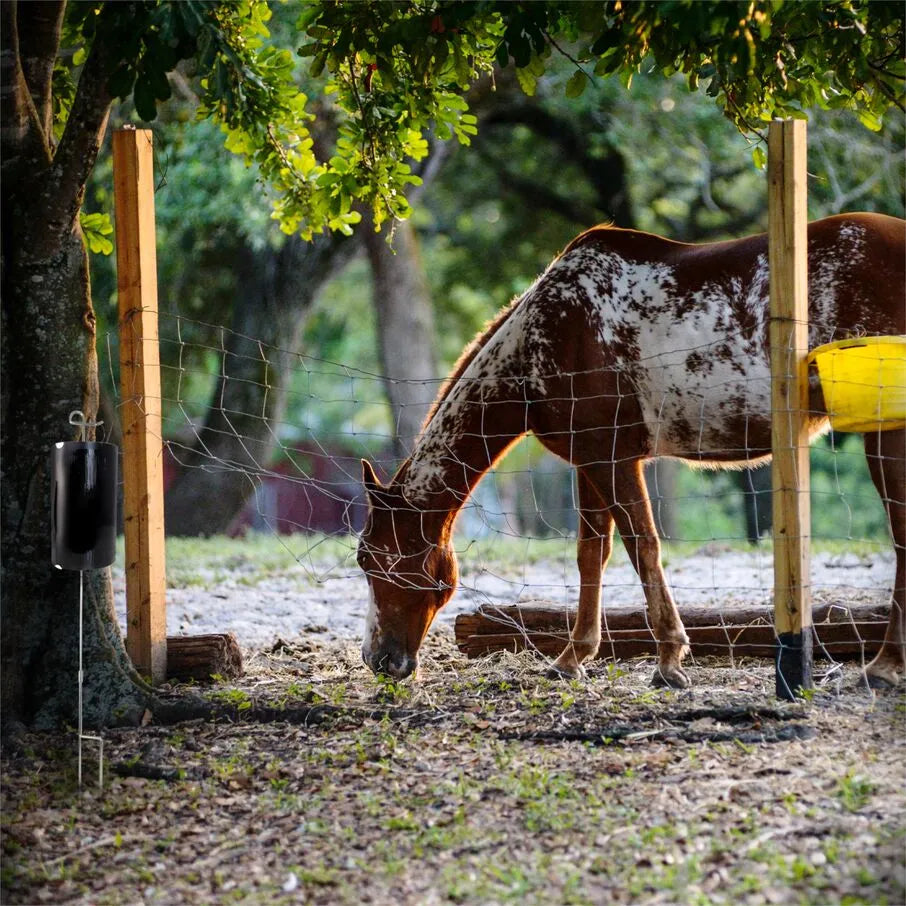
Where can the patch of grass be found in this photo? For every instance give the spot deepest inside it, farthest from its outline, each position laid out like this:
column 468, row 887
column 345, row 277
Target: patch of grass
column 854, row 790
column 255, row 558
column 238, row 698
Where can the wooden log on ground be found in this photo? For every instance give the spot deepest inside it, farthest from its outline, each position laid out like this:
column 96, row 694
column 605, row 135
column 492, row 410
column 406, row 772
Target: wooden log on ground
column 198, row 657
column 840, row 631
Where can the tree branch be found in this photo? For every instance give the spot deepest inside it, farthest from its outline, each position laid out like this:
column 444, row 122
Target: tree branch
column 39, row 28
column 605, row 174
column 22, row 133
column 540, row 196
column 81, row 141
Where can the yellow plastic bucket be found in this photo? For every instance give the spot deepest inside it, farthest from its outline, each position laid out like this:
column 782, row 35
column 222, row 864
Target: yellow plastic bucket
column 864, row 382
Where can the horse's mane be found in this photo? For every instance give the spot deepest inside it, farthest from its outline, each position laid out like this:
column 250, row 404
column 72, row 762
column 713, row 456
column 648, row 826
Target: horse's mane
column 465, row 359
column 488, row 331
column 484, row 335
column 468, row 354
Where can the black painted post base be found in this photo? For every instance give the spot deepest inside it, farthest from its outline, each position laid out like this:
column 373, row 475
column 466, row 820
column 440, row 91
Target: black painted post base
column 794, row 663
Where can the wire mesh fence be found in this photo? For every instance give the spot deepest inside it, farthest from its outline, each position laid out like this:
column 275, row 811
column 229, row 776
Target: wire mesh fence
column 288, row 431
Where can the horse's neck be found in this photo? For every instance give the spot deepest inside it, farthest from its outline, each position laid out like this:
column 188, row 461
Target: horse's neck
column 481, row 414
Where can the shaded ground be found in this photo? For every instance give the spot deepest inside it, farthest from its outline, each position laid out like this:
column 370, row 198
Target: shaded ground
column 482, row 783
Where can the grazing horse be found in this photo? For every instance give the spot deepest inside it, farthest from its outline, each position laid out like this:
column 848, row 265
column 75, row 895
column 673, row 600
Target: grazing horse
column 628, row 347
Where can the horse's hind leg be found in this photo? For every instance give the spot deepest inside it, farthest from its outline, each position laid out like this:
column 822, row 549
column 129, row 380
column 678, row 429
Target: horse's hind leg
column 886, row 454
column 592, row 553
column 623, row 485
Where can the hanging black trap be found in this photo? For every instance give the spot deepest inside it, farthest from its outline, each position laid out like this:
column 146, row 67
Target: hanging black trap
column 83, row 504
column 83, row 497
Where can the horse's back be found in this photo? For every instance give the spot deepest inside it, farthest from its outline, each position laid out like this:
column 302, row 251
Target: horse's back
column 857, row 276
column 688, row 324
column 856, row 263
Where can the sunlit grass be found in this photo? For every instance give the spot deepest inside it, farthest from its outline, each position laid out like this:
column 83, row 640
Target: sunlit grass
column 261, row 556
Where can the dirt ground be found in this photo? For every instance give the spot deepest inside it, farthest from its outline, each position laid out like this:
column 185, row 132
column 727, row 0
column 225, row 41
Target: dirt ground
column 483, row 782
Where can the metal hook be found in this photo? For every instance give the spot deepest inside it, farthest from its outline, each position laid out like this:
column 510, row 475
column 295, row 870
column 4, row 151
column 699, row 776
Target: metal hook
column 77, row 417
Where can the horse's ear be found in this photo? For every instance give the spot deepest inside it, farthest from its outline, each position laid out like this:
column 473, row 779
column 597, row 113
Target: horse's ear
column 369, row 479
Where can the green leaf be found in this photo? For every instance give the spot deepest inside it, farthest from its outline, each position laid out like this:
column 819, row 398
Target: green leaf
column 759, row 157
column 527, row 81
column 870, row 120
column 145, row 102
column 95, row 228
column 99, row 244
column 576, row 84
column 192, row 14
column 97, row 222
column 159, row 84
column 606, row 41
column 308, row 16
column 521, row 50
column 318, row 64
column 121, row 81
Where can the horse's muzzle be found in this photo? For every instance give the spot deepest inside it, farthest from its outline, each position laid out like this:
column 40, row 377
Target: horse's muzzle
column 395, row 664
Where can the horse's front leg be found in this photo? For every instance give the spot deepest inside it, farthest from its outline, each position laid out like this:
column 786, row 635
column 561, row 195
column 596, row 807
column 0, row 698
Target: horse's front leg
column 593, row 548
column 624, row 483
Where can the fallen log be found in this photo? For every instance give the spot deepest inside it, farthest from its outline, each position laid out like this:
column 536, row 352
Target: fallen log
column 841, row 631
column 199, row 657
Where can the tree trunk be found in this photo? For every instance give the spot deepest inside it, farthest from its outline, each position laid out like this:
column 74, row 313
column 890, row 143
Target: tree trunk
column 405, row 324
column 755, row 485
column 49, row 367
column 660, row 476
column 275, row 290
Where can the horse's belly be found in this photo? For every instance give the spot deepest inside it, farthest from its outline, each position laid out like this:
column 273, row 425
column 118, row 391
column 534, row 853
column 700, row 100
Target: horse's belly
column 706, row 404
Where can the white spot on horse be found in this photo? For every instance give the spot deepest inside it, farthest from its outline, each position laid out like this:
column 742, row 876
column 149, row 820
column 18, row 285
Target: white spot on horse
column 830, row 281
column 369, row 640
column 500, row 358
column 682, row 405
column 853, row 235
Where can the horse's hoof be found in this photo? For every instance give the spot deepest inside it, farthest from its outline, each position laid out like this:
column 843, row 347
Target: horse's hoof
column 884, row 672
column 561, row 672
column 881, row 680
column 670, row 678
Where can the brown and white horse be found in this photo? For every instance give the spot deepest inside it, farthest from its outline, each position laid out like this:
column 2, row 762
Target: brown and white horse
column 628, row 347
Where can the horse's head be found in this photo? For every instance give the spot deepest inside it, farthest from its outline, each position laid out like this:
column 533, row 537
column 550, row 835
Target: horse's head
column 411, row 575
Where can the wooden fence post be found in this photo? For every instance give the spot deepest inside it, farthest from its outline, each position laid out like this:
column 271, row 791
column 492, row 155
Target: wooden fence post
column 787, row 252
column 136, row 259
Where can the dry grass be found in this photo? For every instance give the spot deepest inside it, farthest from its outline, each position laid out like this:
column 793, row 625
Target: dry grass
column 484, row 782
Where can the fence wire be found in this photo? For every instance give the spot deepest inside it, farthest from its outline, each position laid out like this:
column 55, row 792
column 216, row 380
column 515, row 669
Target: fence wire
column 291, row 430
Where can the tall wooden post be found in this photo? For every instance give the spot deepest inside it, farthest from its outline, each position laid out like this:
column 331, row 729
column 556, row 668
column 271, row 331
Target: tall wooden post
column 787, row 251
column 136, row 259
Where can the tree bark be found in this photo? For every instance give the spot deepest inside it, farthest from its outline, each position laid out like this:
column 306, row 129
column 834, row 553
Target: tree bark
column 405, row 326
column 49, row 369
column 755, row 485
column 660, row 476
column 274, row 293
